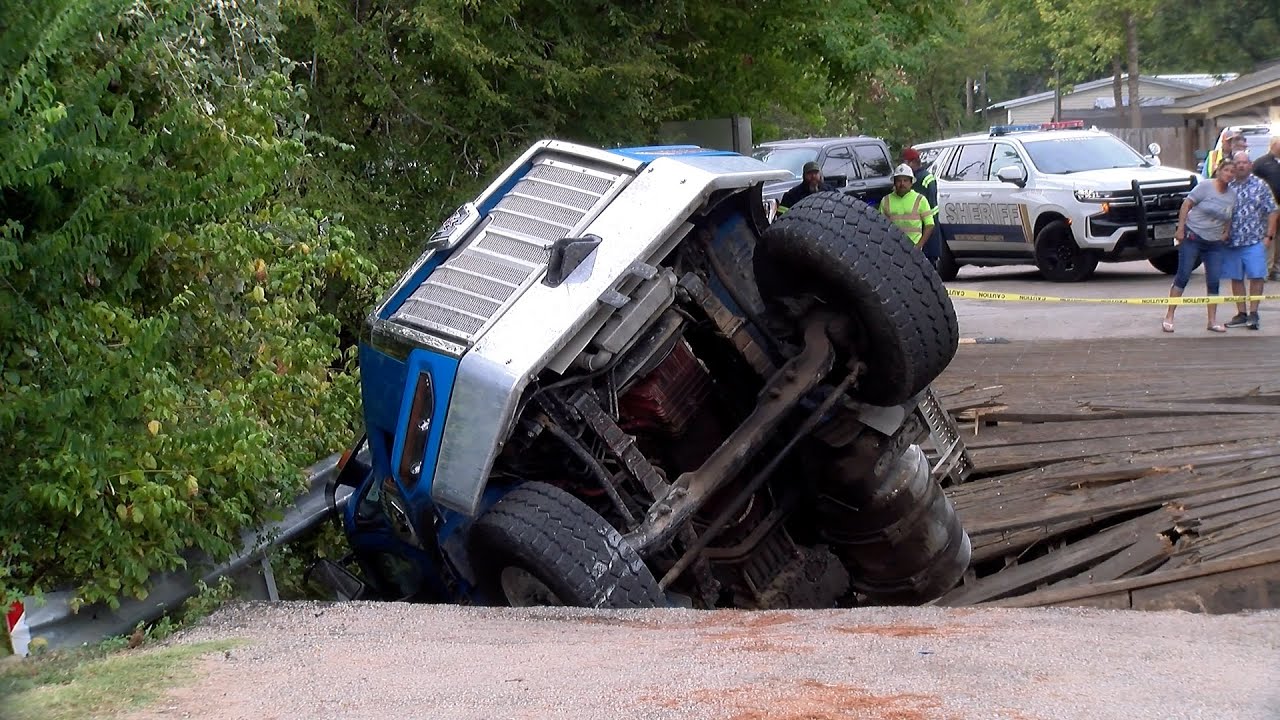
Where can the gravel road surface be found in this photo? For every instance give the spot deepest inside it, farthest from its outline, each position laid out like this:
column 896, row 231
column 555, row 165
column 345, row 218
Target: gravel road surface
column 371, row 660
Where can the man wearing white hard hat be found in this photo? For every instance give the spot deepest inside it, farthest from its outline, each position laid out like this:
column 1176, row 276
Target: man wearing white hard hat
column 907, row 209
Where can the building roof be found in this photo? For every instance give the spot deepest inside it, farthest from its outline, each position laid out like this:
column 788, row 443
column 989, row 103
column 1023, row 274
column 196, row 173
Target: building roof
column 1230, row 92
column 815, row 140
column 1185, row 82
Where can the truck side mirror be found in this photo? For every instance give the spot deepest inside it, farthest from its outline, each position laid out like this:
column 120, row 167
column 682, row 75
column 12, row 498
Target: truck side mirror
column 1012, row 174
column 836, row 180
column 335, row 580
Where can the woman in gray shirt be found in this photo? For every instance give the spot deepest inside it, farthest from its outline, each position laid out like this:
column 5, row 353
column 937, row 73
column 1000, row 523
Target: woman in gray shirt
column 1203, row 224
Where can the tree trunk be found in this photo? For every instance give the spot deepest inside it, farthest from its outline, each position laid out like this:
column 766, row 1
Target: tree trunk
column 1131, row 41
column 985, row 98
column 968, row 97
column 1057, row 96
column 1117, row 85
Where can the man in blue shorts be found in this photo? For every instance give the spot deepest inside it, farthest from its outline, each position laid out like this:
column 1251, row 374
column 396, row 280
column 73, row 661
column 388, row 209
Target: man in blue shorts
column 1253, row 229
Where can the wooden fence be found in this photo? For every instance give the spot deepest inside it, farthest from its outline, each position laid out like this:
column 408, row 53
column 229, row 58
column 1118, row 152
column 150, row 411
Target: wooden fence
column 1175, row 143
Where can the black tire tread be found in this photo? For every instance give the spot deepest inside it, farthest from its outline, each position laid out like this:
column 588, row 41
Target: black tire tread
column 1167, row 263
column 847, row 249
column 567, row 545
column 1086, row 262
column 948, row 268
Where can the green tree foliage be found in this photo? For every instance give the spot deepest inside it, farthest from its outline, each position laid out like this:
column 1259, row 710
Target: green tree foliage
column 166, row 366
column 1081, row 39
column 924, row 96
column 434, row 95
column 1212, row 35
column 188, row 218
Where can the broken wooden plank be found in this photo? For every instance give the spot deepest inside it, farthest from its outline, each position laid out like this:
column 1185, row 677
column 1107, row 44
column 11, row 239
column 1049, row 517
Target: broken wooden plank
column 1193, row 503
column 1141, row 409
column 1215, row 523
column 1243, row 542
column 1060, row 596
column 1005, row 458
column 1151, row 548
column 1122, row 498
column 1056, row 564
column 1249, row 497
column 1005, row 435
column 995, row 545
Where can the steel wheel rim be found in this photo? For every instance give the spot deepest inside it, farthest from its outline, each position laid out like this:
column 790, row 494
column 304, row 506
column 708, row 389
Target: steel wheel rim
column 522, row 589
column 1066, row 253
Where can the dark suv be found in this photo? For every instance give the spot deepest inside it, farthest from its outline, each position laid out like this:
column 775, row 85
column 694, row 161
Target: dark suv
column 857, row 166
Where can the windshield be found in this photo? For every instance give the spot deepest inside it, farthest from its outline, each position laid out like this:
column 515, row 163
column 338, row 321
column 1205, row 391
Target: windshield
column 1062, row 156
column 787, row 158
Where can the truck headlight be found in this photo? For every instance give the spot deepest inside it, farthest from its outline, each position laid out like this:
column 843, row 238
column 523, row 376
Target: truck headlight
column 1091, row 195
column 421, row 411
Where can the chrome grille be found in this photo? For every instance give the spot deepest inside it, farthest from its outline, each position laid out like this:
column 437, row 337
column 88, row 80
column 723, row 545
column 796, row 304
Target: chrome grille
column 572, row 178
column 553, row 200
column 560, row 195
column 528, row 229
column 500, row 269
column 481, row 307
column 562, row 217
column 450, row 278
column 514, row 248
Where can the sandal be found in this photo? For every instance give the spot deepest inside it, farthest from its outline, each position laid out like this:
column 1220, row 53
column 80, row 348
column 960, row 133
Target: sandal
column 1218, row 328
column 1166, row 326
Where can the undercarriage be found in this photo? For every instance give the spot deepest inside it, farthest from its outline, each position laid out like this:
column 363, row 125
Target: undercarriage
column 739, row 482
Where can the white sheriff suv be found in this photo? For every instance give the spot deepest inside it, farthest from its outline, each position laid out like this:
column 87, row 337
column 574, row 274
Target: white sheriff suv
column 1054, row 194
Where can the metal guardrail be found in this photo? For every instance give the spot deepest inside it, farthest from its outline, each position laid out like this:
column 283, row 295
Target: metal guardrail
column 52, row 619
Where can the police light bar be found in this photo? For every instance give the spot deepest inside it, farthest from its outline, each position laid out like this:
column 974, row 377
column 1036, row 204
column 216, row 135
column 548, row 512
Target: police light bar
column 1063, row 125
column 1005, row 129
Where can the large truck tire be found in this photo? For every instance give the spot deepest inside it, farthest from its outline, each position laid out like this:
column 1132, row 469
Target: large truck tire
column 539, row 545
column 837, row 247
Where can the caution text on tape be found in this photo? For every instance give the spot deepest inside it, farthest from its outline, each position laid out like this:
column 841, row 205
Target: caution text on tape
column 1021, row 297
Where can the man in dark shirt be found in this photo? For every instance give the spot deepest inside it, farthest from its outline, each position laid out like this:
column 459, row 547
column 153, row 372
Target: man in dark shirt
column 1267, row 167
column 810, row 184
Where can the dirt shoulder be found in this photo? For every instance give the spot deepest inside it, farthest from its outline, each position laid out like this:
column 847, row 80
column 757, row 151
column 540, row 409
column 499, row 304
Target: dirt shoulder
column 370, row 660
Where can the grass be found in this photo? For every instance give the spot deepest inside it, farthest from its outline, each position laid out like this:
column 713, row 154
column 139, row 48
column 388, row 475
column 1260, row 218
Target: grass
column 95, row 684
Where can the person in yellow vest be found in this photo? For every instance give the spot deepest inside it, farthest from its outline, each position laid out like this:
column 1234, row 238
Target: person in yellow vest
column 908, row 209
column 1229, row 142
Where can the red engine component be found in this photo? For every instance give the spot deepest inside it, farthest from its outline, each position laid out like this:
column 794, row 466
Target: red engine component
column 668, row 397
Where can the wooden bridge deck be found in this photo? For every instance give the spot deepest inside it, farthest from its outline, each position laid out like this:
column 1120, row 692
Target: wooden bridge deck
column 1122, row 473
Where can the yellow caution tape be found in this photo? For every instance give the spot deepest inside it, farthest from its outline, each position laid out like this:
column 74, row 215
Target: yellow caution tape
column 1020, row 297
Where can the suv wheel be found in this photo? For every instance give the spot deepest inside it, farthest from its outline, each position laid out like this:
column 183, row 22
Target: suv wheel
column 1058, row 256
column 948, row 268
column 539, row 545
column 1168, row 263
column 836, row 247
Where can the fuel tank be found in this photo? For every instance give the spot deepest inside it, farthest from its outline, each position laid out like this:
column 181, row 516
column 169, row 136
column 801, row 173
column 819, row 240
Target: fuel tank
column 891, row 524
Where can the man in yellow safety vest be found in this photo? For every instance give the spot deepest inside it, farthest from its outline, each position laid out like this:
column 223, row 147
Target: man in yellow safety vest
column 908, row 209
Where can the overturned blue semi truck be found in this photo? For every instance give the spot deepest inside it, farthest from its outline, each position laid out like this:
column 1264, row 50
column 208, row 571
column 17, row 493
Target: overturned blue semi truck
column 612, row 381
